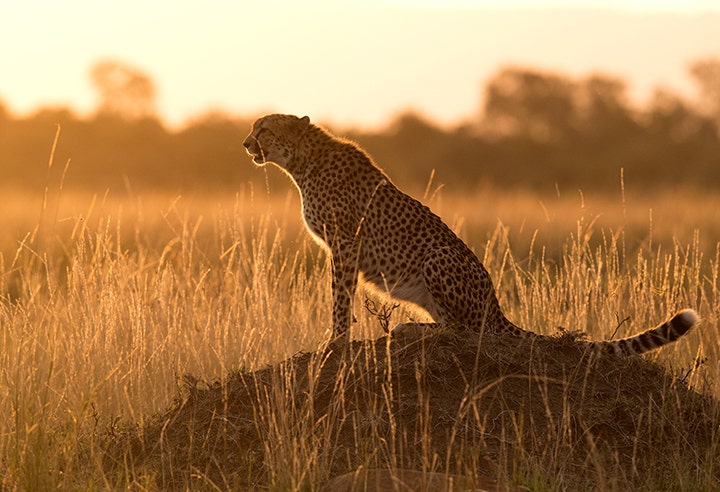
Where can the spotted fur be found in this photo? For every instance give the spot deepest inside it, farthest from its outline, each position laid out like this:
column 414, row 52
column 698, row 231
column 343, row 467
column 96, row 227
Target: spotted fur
column 399, row 246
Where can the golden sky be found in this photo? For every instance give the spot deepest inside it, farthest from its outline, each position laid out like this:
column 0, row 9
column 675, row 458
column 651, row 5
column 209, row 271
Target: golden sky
column 350, row 62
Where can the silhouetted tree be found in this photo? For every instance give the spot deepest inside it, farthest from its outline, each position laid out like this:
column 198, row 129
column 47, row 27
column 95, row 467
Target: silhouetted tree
column 417, row 147
column 670, row 118
column 706, row 74
column 555, row 130
column 124, row 91
column 530, row 104
column 605, row 112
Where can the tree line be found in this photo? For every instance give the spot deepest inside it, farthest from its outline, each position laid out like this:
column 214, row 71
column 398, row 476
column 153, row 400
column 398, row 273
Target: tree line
column 538, row 130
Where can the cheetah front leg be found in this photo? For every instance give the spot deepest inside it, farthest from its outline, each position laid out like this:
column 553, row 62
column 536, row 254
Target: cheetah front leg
column 344, row 284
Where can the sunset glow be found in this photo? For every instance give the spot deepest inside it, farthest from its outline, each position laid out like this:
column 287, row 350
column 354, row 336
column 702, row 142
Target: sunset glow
column 350, row 62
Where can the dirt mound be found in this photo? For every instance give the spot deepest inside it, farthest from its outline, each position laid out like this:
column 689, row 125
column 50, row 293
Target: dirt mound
column 530, row 412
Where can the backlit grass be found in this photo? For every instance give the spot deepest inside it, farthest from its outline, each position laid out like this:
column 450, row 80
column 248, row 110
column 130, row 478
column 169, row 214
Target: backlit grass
column 108, row 301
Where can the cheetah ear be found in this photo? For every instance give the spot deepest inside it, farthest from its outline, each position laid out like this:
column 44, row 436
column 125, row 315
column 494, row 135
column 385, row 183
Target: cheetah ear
column 303, row 123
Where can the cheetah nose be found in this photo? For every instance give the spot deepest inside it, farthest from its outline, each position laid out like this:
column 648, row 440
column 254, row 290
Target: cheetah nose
column 246, row 143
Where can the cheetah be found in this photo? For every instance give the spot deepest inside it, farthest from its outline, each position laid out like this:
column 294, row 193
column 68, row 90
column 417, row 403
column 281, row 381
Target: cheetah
column 375, row 232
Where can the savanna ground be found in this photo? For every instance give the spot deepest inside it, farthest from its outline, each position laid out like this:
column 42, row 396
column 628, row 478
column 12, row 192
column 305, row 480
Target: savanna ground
column 161, row 342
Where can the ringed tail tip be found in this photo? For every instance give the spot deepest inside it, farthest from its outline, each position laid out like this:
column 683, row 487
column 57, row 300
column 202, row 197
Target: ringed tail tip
column 688, row 317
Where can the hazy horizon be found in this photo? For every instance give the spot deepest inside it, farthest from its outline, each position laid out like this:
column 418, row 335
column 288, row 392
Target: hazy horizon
column 348, row 63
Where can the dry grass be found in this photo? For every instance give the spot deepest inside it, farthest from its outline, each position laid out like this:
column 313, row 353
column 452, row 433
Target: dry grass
column 106, row 304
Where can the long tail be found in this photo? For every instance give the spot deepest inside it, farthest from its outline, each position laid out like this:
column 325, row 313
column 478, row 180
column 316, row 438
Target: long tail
column 667, row 332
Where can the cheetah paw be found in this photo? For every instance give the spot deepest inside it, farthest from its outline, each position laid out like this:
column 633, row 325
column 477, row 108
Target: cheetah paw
column 408, row 330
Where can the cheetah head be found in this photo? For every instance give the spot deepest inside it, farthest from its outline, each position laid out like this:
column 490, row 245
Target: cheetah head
column 274, row 138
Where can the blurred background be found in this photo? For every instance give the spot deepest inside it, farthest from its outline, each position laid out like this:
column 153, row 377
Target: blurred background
column 548, row 96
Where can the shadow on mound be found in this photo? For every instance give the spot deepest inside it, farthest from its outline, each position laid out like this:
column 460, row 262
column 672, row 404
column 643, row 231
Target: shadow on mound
column 542, row 413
